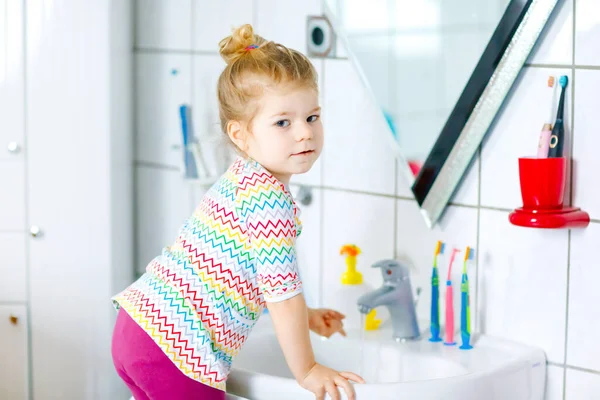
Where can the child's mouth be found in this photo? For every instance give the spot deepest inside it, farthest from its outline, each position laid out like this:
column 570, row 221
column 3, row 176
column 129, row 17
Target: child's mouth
column 304, row 153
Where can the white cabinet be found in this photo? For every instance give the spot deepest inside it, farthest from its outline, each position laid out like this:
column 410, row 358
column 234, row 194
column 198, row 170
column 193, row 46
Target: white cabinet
column 13, row 274
column 13, row 352
column 79, row 191
column 11, row 80
column 12, row 196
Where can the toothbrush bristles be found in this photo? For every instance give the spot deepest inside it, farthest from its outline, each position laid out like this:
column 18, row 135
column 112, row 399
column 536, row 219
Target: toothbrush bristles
column 550, row 81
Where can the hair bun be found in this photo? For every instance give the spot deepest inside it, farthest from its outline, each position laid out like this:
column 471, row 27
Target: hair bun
column 234, row 46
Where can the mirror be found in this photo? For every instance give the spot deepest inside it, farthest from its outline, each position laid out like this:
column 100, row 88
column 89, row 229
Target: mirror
column 439, row 70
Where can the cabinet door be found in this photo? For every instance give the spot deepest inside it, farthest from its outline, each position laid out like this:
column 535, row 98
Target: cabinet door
column 11, row 79
column 13, row 352
column 13, row 284
column 12, row 196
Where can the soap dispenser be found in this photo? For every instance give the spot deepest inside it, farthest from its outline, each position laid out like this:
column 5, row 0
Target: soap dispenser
column 352, row 287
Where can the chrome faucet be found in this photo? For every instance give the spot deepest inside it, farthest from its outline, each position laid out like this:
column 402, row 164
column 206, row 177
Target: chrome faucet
column 396, row 295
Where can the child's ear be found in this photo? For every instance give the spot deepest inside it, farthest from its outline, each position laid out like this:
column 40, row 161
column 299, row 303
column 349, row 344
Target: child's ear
column 237, row 134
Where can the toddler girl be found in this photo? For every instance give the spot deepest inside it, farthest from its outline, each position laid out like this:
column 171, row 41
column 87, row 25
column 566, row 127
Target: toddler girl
column 180, row 326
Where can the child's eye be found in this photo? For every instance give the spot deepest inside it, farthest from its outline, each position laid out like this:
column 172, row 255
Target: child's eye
column 312, row 118
column 284, row 123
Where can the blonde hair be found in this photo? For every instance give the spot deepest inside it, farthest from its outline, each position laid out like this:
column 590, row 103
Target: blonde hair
column 252, row 64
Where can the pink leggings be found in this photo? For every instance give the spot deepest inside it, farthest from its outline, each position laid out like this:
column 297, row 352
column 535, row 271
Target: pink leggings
column 146, row 369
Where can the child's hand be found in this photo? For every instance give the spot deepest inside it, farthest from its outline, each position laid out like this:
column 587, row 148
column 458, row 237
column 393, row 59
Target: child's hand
column 321, row 380
column 325, row 322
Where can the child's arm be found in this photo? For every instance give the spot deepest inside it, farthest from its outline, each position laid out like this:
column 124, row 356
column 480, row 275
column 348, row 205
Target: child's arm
column 290, row 320
column 269, row 217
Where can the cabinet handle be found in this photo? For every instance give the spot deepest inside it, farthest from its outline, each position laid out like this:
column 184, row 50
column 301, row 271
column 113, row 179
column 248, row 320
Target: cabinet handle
column 13, row 320
column 13, row 147
column 35, row 231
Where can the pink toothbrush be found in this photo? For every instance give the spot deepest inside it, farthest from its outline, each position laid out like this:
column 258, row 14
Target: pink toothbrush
column 450, row 304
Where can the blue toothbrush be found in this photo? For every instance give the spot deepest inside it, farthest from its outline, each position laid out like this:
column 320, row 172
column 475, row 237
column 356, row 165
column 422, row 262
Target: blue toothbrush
column 189, row 166
column 435, row 295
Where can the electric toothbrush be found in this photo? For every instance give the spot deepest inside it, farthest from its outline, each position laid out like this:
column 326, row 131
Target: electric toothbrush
column 450, row 304
column 557, row 137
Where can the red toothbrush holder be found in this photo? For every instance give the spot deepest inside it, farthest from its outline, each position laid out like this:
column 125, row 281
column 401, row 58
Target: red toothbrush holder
column 543, row 182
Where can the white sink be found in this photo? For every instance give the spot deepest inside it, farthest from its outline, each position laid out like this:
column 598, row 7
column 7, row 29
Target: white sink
column 494, row 369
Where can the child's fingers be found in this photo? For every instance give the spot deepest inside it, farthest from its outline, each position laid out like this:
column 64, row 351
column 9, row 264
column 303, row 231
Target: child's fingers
column 335, row 314
column 344, row 384
column 352, row 376
column 332, row 390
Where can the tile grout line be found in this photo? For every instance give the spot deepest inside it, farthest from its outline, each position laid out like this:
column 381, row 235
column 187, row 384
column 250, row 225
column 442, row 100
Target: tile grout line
column 154, row 165
column 567, row 311
column 477, row 242
column 562, row 66
column 375, row 194
column 571, row 164
column 573, row 367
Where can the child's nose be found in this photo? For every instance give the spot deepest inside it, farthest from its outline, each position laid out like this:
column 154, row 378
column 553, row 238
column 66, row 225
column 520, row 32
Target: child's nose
column 305, row 132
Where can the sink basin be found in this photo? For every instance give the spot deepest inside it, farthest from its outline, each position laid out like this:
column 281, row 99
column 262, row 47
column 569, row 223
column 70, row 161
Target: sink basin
column 495, row 369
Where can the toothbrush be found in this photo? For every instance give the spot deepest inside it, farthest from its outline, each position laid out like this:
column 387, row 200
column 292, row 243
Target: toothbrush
column 465, row 308
column 558, row 132
column 435, row 295
column 450, row 304
column 544, row 143
column 188, row 162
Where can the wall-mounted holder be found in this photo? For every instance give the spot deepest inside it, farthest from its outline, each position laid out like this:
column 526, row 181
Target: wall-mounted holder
column 542, row 190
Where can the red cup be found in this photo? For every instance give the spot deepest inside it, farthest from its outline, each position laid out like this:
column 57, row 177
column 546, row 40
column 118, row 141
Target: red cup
column 542, row 182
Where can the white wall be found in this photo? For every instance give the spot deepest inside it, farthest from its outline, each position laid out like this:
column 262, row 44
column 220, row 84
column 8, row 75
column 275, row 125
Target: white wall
column 534, row 286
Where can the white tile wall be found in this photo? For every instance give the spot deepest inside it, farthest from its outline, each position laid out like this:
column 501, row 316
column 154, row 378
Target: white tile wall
column 285, row 22
column 523, row 283
column 582, row 385
column 164, row 201
column 163, row 83
column 587, row 31
column 586, row 193
column 522, row 273
column 582, row 345
column 215, row 20
column 554, row 382
column 556, row 44
column 309, row 246
column 163, row 24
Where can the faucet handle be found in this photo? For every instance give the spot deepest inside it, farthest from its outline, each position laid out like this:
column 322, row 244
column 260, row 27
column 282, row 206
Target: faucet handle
column 392, row 270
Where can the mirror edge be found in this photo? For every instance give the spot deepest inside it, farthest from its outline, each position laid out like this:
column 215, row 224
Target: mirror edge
column 486, row 109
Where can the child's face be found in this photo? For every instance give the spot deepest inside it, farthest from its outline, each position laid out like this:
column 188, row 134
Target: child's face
column 287, row 133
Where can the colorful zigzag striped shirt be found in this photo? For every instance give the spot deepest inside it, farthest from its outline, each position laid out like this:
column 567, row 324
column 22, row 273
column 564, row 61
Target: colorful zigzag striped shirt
column 201, row 297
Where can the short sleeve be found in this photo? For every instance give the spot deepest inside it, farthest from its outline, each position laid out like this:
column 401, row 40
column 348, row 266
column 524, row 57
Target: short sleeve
column 269, row 215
